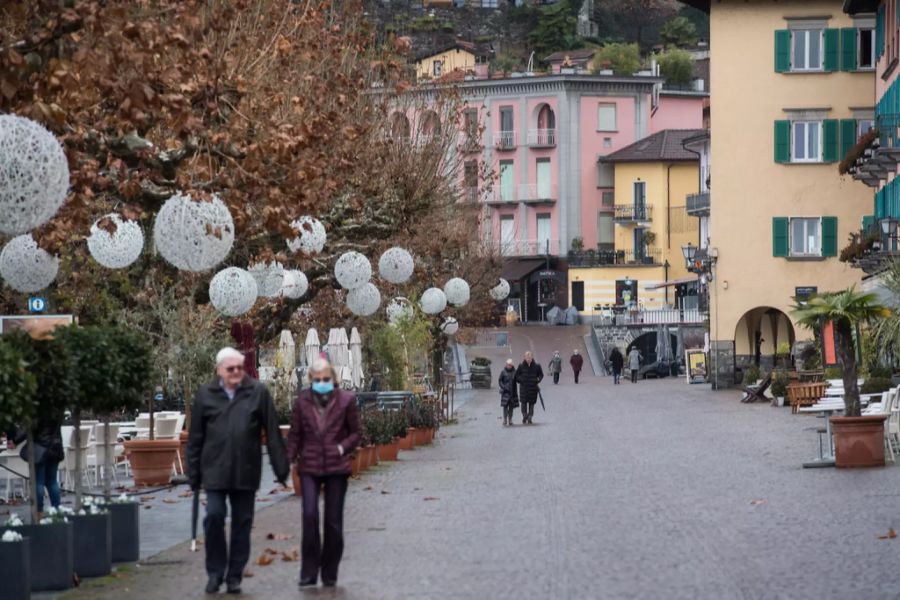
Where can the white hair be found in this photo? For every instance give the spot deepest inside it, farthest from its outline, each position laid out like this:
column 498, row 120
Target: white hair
column 509, row 361
column 226, row 353
column 319, row 365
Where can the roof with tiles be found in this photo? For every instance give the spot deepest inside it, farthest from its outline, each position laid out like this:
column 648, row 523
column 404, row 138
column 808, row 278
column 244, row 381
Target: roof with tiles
column 663, row 146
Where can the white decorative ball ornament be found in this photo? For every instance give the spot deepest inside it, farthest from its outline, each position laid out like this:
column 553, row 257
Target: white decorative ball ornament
column 233, row 291
column 119, row 249
column 193, row 235
column 269, row 278
column 311, row 238
column 433, row 301
column 295, row 284
column 26, row 267
column 34, row 175
column 364, row 301
column 396, row 265
column 398, row 309
column 457, row 291
column 450, row 326
column 501, row 290
column 352, row 270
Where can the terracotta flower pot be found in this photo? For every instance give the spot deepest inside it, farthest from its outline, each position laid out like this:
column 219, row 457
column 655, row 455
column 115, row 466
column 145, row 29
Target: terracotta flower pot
column 373, row 455
column 408, row 441
column 859, row 441
column 363, row 459
column 152, row 460
column 422, row 437
column 295, row 481
column 354, row 464
column 183, row 441
column 388, row 451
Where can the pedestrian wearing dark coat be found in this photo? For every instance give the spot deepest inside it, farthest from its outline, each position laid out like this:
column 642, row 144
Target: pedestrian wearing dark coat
column 325, row 431
column 617, row 362
column 509, row 397
column 555, row 367
column 577, row 362
column 224, row 456
column 48, row 453
column 529, row 376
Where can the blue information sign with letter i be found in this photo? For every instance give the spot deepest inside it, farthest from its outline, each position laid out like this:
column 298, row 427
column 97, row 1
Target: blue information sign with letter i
column 36, row 304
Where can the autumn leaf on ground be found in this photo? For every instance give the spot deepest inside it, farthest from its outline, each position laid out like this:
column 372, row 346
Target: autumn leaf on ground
column 367, row 488
column 279, row 536
column 186, row 495
column 757, row 502
column 427, row 498
column 385, row 492
column 170, row 501
column 262, row 500
column 264, row 560
column 290, row 556
column 147, row 498
column 270, row 551
column 147, row 506
column 891, row 534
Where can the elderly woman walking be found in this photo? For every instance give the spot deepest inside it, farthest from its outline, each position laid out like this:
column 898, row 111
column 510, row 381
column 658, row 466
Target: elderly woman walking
column 509, row 398
column 324, row 432
column 555, row 367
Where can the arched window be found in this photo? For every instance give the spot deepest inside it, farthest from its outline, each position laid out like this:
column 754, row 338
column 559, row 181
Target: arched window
column 546, row 118
column 545, row 134
column 399, row 126
column 430, row 124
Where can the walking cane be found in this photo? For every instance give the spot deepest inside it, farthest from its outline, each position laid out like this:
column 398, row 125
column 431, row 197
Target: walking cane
column 195, row 508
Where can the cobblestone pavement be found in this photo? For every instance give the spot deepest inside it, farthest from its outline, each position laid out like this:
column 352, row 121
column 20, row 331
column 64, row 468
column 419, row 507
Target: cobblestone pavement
column 654, row 490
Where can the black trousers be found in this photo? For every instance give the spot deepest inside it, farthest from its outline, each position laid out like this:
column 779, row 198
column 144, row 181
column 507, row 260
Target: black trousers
column 316, row 556
column 220, row 557
column 634, row 374
column 527, row 410
column 577, row 373
column 556, row 378
column 508, row 412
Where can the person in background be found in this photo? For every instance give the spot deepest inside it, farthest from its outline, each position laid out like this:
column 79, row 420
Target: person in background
column 325, row 431
column 509, row 399
column 555, row 367
column 529, row 376
column 48, row 453
column 577, row 362
column 617, row 362
column 634, row 363
column 224, row 456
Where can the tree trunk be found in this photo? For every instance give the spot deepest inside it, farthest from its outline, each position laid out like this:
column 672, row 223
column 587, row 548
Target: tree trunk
column 846, row 355
column 32, row 477
column 107, row 460
column 78, row 465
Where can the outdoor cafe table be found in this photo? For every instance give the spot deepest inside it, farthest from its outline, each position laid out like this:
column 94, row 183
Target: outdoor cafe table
column 827, row 407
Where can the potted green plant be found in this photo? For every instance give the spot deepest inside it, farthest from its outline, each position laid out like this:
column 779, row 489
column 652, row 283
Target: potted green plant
column 751, row 374
column 858, row 440
column 401, row 429
column 386, row 446
column 15, row 565
column 780, row 380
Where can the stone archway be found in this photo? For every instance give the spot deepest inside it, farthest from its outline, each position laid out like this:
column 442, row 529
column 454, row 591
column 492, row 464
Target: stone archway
column 758, row 334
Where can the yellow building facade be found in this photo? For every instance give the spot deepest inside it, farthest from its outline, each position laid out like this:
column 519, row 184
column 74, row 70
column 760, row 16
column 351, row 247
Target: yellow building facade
column 439, row 64
column 786, row 106
column 650, row 223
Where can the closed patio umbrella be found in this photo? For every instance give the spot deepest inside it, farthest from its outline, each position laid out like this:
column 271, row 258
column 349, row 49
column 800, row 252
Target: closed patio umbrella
column 343, row 348
column 356, row 369
column 288, row 350
column 311, row 346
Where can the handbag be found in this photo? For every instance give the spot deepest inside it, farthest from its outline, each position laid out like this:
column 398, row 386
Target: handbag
column 39, row 453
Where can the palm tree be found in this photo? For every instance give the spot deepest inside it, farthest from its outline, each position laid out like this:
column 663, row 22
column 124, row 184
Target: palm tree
column 887, row 331
column 844, row 310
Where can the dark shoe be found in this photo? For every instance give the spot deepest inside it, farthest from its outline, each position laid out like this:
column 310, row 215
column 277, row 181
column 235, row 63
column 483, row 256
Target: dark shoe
column 307, row 582
column 233, row 587
column 213, row 585
column 329, row 583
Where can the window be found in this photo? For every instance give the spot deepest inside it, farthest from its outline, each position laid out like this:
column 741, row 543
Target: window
column 606, row 231
column 607, row 142
column 606, row 175
column 506, row 118
column 470, row 122
column 864, row 126
column 807, row 49
column 806, row 141
column 608, row 199
column 806, row 236
column 543, row 234
column 544, row 179
column 640, row 193
column 606, row 117
column 507, row 191
column 470, row 180
column 866, row 49
column 437, row 68
column 507, row 234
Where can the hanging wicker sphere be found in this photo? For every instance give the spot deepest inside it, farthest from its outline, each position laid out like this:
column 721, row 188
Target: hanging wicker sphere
column 450, row 326
column 193, row 235
column 269, row 278
column 233, row 291
column 396, row 265
column 295, row 284
column 457, row 291
column 34, row 175
column 352, row 270
column 311, row 238
column 364, row 301
column 433, row 301
column 26, row 267
column 501, row 290
column 119, row 249
column 398, row 309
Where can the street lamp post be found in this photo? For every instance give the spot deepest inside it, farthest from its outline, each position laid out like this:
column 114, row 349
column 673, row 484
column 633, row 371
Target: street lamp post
column 702, row 262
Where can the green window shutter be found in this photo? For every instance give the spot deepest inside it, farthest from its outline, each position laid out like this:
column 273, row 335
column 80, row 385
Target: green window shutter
column 779, row 236
column 782, row 50
column 868, row 221
column 832, row 49
column 879, row 32
column 829, row 236
column 848, row 136
column 782, row 141
column 848, row 48
column 830, row 140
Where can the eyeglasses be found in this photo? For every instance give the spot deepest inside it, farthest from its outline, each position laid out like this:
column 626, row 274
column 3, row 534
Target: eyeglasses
column 322, row 380
column 234, row 369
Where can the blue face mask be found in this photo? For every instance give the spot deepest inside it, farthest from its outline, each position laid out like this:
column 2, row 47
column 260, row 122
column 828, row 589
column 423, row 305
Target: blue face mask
column 323, row 387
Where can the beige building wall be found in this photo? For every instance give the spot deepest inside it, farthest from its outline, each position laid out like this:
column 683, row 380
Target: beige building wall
column 748, row 187
column 451, row 60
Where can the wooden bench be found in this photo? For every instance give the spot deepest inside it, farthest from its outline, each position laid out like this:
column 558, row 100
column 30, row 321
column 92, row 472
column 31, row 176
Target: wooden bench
column 804, row 394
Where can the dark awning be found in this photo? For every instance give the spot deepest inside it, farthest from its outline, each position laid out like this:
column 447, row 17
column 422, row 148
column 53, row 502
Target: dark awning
column 516, row 269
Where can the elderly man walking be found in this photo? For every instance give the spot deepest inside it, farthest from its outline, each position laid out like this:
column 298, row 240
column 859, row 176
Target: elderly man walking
column 577, row 363
column 224, row 456
column 529, row 376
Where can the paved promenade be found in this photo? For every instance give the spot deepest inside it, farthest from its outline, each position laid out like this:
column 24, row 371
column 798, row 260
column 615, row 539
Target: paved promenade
column 654, row 490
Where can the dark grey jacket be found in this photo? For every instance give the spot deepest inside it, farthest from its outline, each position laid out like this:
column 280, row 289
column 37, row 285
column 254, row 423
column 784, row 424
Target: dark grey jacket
column 225, row 442
column 529, row 377
column 507, row 384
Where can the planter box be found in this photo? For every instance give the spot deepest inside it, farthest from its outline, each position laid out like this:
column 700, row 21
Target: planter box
column 93, row 545
column 858, row 441
column 15, row 573
column 51, row 555
column 408, row 441
column 125, row 520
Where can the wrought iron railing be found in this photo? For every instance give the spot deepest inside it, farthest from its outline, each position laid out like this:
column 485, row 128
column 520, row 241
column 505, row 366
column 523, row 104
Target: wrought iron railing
column 610, row 258
column 542, row 137
column 697, row 203
column 631, row 212
column 505, row 140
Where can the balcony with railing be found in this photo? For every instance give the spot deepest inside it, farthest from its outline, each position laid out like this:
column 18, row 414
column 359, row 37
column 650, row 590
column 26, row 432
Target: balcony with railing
column 469, row 142
column 529, row 193
column 505, row 140
column 542, row 138
column 876, row 154
column 615, row 258
column 617, row 316
column 697, row 205
column 631, row 213
column 521, row 248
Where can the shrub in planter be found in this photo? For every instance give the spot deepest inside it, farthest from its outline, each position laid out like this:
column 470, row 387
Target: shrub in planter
column 751, row 374
column 50, row 544
column 15, row 566
column 875, row 385
column 92, row 540
column 124, row 515
column 780, row 380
